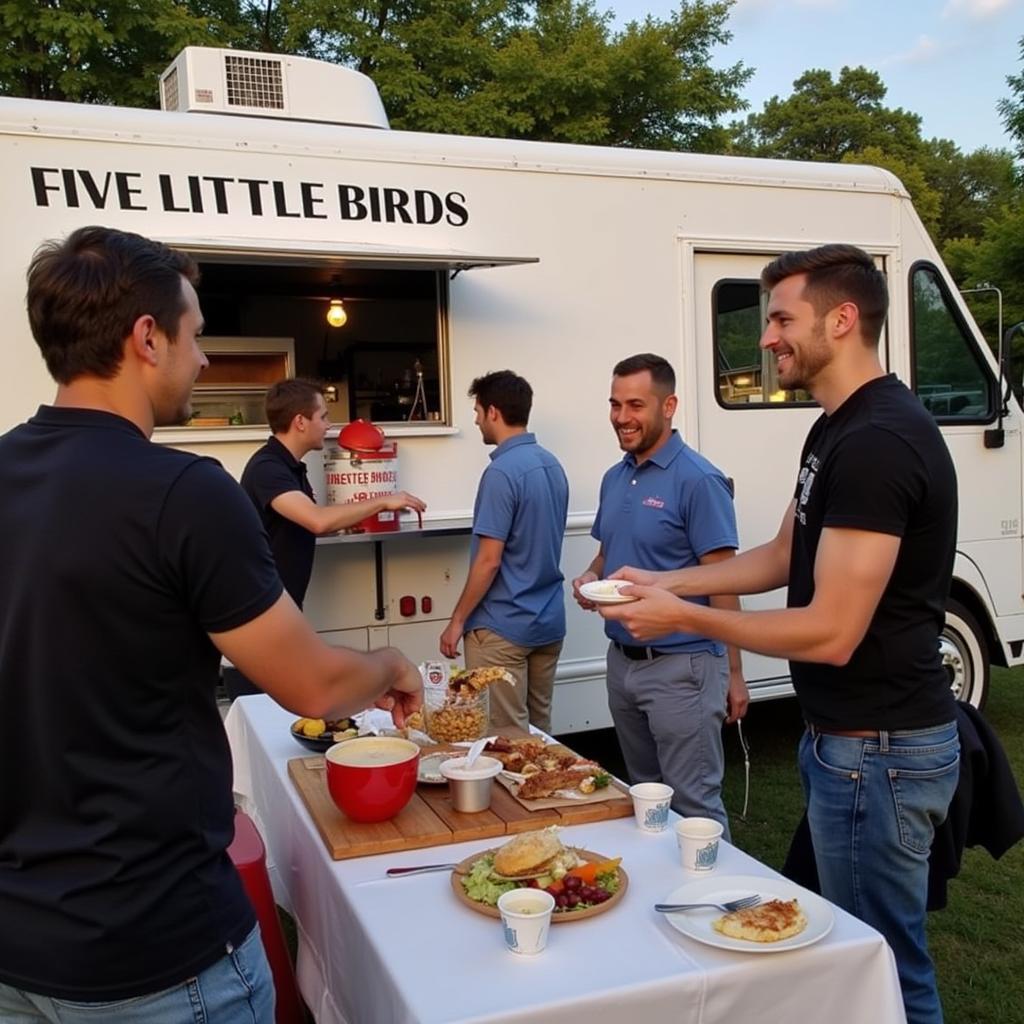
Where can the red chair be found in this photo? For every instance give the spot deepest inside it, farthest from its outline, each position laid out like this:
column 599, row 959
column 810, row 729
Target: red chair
column 250, row 858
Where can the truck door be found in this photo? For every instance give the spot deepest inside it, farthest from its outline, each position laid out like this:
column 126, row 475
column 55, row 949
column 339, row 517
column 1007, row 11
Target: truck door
column 744, row 423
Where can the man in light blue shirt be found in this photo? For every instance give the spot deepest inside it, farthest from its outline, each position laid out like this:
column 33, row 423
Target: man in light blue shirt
column 664, row 505
column 511, row 612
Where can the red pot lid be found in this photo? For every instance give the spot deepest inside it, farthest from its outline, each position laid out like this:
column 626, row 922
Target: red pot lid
column 361, row 436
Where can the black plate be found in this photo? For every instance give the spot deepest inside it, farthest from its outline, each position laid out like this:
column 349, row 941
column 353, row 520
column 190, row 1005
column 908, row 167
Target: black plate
column 318, row 744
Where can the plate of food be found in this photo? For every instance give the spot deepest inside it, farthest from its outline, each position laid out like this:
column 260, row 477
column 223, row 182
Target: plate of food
column 429, row 770
column 540, row 774
column 606, row 591
column 319, row 734
column 788, row 916
column 584, row 883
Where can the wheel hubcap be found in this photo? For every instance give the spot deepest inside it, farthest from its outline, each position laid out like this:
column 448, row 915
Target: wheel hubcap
column 955, row 665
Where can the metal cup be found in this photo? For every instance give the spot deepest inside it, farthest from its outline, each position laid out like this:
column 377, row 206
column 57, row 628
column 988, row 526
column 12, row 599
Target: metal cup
column 470, row 788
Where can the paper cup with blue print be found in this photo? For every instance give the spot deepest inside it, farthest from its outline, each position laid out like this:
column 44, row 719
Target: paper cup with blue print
column 526, row 919
column 698, row 843
column 650, row 805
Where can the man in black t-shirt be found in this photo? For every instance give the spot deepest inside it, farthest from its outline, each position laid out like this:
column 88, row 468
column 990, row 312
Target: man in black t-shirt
column 126, row 570
column 866, row 548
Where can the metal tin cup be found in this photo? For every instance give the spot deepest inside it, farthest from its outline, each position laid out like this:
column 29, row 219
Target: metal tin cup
column 698, row 843
column 526, row 919
column 470, row 788
column 651, row 802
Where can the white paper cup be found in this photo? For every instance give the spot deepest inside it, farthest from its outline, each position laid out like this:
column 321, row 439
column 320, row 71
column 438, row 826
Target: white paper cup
column 650, row 805
column 698, row 843
column 525, row 919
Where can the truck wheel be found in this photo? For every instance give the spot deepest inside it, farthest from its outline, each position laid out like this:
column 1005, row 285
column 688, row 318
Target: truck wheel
column 964, row 655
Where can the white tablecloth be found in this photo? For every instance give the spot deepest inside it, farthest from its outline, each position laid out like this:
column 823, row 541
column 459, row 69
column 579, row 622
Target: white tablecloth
column 374, row 950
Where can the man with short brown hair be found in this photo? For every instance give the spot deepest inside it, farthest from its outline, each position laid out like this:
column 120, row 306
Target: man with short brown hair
column 866, row 548
column 127, row 569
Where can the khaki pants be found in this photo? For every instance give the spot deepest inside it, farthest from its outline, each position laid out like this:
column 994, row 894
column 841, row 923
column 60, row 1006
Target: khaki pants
column 529, row 702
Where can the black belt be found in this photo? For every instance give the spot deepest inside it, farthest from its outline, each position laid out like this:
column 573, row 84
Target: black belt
column 640, row 653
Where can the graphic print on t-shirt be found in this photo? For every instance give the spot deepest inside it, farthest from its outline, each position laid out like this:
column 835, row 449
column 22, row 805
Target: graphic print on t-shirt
column 806, row 481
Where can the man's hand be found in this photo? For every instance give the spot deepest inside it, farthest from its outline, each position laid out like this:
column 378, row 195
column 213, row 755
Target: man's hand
column 587, row 577
column 403, row 499
column 451, row 638
column 737, row 700
column 657, row 613
column 404, row 697
column 644, row 577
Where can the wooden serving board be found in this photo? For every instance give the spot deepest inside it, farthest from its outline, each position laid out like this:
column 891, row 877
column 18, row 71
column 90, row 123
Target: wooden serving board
column 429, row 819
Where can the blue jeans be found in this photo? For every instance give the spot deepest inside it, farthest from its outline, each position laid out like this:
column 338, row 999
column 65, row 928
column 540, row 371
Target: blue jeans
column 873, row 805
column 237, row 989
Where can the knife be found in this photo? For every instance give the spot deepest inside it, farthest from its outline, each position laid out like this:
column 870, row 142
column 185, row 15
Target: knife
column 397, row 872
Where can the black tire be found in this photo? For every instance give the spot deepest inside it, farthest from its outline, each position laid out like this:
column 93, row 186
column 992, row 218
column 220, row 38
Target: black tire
column 965, row 655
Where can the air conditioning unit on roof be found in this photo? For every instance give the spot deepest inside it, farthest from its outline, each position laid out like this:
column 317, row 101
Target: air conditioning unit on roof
column 214, row 81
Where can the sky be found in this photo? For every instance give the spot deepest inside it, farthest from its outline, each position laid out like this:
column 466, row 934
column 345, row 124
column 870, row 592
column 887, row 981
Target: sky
column 945, row 60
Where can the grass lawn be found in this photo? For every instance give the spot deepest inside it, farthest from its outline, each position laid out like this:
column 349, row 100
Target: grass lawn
column 976, row 941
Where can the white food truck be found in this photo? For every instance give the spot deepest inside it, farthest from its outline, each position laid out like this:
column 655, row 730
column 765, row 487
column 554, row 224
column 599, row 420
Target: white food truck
column 452, row 257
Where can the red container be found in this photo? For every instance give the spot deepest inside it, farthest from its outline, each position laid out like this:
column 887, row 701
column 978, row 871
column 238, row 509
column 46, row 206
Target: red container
column 362, row 475
column 372, row 778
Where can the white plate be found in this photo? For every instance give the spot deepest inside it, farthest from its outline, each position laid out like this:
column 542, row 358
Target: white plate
column 696, row 924
column 596, row 591
column 429, row 770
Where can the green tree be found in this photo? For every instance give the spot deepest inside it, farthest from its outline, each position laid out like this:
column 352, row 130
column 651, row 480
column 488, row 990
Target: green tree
column 536, row 69
column 971, row 187
column 826, row 119
column 1012, row 109
column 109, row 53
column 996, row 258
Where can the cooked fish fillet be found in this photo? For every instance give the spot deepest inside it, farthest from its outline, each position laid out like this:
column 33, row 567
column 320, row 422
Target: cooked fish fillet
column 767, row 922
column 543, row 784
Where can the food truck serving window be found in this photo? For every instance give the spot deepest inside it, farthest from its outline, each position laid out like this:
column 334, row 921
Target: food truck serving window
column 370, row 326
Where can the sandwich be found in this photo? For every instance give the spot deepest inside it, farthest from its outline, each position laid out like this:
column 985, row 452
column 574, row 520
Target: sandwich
column 533, row 855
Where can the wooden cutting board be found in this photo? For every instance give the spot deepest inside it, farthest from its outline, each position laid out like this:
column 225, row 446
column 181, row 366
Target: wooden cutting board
column 429, row 819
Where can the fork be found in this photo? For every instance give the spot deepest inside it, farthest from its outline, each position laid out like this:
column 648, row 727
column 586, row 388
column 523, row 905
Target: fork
column 741, row 904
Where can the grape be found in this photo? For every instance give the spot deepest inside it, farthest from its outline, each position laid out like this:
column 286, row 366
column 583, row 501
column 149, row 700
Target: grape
column 571, row 900
column 572, row 883
column 561, row 900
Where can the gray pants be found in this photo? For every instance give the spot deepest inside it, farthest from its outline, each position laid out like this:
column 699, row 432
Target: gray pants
column 668, row 714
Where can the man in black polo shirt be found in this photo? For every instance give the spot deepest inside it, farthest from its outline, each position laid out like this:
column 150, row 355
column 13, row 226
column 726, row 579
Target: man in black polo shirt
column 126, row 570
column 866, row 548
column 275, row 479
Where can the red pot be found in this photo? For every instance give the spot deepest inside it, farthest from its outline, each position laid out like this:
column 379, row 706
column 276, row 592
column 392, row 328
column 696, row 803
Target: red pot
column 372, row 778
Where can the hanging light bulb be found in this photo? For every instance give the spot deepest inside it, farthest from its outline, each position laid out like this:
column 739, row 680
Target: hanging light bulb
column 336, row 315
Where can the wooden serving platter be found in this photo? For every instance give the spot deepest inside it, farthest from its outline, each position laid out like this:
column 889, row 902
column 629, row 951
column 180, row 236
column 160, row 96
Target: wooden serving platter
column 559, row 916
column 429, row 819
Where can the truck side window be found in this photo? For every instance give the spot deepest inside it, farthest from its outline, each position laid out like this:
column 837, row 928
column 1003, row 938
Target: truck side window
column 746, row 375
column 949, row 375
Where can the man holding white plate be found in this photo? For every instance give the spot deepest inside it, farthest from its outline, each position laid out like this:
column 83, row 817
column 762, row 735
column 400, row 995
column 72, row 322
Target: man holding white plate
column 661, row 506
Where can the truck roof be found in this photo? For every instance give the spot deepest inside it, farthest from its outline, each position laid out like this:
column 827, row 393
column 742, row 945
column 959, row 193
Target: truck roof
column 83, row 121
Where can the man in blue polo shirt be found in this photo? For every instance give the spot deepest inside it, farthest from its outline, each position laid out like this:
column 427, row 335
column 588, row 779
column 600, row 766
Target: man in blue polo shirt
column 665, row 506
column 512, row 610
